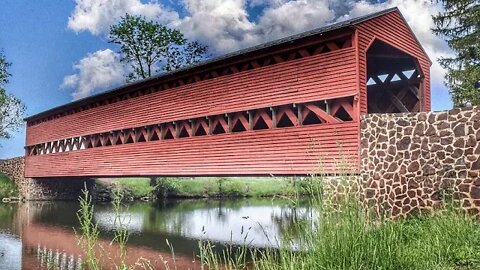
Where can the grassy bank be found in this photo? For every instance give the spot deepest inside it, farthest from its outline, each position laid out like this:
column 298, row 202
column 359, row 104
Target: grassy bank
column 347, row 237
column 227, row 187
column 206, row 187
column 7, row 187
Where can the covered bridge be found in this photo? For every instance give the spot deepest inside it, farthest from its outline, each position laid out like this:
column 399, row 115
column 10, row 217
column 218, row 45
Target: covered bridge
column 285, row 107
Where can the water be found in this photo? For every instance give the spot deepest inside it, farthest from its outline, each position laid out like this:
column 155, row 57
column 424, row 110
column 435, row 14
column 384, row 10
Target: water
column 42, row 235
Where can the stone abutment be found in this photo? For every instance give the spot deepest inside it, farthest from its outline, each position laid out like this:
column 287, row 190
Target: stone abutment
column 413, row 162
column 43, row 189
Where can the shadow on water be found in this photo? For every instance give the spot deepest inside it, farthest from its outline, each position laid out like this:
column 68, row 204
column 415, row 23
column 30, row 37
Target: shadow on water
column 34, row 228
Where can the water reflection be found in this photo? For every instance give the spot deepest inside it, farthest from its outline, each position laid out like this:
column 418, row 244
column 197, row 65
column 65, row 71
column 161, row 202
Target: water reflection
column 34, row 235
column 10, row 251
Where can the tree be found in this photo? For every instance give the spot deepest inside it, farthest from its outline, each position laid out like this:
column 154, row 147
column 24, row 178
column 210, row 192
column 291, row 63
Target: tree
column 459, row 24
column 11, row 108
column 150, row 47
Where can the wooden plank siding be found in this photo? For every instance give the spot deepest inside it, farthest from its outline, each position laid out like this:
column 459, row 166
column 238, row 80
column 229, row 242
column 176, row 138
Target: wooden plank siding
column 294, row 150
column 298, row 86
column 313, row 78
column 392, row 29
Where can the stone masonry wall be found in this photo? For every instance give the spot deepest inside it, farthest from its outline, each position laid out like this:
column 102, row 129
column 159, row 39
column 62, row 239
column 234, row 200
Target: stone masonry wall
column 44, row 188
column 413, row 162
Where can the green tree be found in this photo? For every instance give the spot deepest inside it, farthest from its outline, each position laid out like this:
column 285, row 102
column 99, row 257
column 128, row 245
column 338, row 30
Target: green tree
column 459, row 24
column 150, row 47
column 11, row 108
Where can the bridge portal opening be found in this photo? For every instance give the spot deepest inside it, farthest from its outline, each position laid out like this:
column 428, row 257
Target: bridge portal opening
column 394, row 80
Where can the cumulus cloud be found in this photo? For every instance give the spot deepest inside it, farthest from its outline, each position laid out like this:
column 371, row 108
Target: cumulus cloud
column 95, row 72
column 225, row 25
column 96, row 16
column 222, row 24
column 282, row 19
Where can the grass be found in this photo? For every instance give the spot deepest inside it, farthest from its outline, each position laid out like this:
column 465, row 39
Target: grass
column 346, row 237
column 138, row 187
column 227, row 187
column 7, row 187
column 209, row 187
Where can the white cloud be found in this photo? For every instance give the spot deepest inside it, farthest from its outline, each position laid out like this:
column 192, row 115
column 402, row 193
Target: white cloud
column 221, row 24
column 96, row 16
column 283, row 19
column 94, row 72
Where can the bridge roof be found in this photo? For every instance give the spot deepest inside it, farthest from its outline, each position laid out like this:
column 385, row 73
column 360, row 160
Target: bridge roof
column 213, row 62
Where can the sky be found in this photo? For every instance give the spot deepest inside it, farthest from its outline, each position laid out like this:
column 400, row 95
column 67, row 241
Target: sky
column 59, row 50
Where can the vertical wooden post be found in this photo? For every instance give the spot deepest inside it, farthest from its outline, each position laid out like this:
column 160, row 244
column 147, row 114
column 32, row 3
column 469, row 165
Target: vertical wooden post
column 210, row 128
column 177, row 131
column 274, row 117
column 194, row 126
column 299, row 114
column 421, row 95
column 229, row 122
column 356, row 111
column 250, row 120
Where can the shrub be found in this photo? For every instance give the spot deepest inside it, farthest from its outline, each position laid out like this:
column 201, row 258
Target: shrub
column 7, row 187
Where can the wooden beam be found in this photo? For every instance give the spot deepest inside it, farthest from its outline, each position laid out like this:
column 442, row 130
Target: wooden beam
column 397, row 102
column 322, row 114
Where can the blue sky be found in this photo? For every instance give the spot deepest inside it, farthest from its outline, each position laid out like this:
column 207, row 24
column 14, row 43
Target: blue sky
column 59, row 49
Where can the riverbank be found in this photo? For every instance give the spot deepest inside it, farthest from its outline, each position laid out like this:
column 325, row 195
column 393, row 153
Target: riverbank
column 199, row 187
column 330, row 236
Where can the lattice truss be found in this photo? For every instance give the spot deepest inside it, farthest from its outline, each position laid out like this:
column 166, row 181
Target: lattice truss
column 394, row 80
column 284, row 116
column 304, row 49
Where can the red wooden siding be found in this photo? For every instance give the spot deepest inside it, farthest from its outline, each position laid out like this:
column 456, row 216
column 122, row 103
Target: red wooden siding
column 390, row 28
column 294, row 150
column 313, row 78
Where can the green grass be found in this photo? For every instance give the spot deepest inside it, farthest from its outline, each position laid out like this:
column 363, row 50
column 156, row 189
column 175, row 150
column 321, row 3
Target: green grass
column 346, row 238
column 206, row 187
column 7, row 187
column 227, row 187
column 139, row 187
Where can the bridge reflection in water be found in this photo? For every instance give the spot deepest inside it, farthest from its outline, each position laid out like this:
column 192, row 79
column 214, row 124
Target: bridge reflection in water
column 44, row 233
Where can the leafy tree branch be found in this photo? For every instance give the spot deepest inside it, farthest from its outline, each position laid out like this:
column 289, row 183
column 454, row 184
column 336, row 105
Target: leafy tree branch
column 149, row 47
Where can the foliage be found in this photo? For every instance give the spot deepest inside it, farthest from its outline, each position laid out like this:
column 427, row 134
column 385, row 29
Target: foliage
column 150, row 47
column 7, row 187
column 136, row 187
column 227, row 187
column 347, row 238
column 459, row 24
column 11, row 108
column 121, row 230
column 88, row 239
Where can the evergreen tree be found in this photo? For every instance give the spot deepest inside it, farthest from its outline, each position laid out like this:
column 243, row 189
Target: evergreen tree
column 459, row 24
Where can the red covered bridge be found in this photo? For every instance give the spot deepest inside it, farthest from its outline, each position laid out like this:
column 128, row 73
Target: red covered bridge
column 279, row 108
